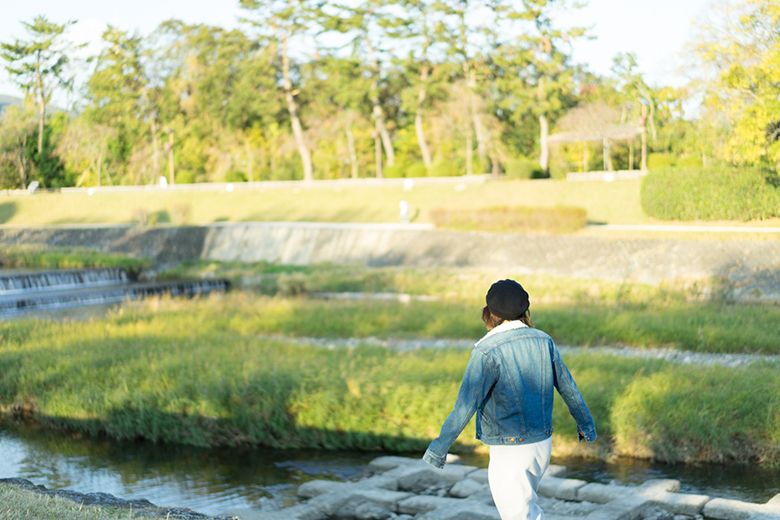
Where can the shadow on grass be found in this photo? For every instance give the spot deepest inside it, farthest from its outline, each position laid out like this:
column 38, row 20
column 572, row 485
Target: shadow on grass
column 7, row 211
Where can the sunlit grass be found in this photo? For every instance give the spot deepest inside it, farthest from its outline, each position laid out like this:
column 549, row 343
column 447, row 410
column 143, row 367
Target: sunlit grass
column 201, row 373
column 697, row 316
column 615, row 203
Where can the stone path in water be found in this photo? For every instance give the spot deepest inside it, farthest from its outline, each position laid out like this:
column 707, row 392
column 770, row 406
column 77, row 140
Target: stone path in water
column 400, row 488
column 675, row 356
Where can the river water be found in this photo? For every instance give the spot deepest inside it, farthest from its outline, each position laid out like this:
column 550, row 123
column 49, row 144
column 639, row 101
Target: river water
column 214, row 481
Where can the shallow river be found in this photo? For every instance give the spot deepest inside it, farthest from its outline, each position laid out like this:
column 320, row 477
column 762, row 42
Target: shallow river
column 215, row 481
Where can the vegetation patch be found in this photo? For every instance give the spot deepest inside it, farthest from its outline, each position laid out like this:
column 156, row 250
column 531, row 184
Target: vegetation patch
column 697, row 316
column 713, row 193
column 17, row 504
column 169, row 371
column 555, row 220
column 67, row 258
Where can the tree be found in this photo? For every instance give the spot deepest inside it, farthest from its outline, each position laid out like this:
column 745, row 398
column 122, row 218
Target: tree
column 40, row 64
column 366, row 22
column 17, row 127
column 535, row 74
column 84, row 147
column 418, row 24
column 737, row 52
column 286, row 19
column 635, row 89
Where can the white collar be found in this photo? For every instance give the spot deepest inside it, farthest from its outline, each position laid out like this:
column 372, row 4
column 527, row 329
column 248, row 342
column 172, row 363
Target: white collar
column 507, row 325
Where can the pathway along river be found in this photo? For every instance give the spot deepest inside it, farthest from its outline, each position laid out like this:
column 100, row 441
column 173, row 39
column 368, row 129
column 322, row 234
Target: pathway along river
column 213, row 481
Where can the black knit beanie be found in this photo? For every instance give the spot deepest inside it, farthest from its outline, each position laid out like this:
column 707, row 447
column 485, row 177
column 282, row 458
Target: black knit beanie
column 507, row 299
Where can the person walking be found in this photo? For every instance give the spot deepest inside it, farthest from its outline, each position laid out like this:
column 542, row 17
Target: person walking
column 509, row 383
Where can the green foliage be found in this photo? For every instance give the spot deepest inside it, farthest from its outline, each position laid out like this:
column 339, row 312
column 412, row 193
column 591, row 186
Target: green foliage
column 445, row 169
column 711, row 194
column 67, row 258
column 661, row 160
column 235, row 176
column 417, row 169
column 394, row 171
column 559, row 219
column 522, row 168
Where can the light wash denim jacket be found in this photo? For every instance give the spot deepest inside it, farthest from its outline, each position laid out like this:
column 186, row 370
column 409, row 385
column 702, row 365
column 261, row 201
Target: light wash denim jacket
column 509, row 385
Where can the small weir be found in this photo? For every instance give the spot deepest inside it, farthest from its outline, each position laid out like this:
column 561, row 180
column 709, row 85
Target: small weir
column 72, row 288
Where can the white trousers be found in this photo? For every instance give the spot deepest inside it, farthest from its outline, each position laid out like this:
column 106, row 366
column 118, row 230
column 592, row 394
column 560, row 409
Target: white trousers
column 514, row 474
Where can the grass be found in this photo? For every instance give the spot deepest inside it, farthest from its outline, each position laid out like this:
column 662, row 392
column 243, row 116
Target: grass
column 556, row 220
column 198, row 372
column 695, row 316
column 22, row 504
column 35, row 256
column 615, row 203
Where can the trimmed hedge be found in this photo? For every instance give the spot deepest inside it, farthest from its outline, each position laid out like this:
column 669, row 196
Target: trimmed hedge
column 713, row 193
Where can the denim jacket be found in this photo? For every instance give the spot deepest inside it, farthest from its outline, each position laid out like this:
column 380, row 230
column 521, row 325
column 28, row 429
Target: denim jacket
column 509, row 385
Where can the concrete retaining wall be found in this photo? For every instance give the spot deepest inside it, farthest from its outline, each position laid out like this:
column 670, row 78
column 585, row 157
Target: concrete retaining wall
column 753, row 266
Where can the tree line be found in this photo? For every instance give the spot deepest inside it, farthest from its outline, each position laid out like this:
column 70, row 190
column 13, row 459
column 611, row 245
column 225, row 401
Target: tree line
column 384, row 88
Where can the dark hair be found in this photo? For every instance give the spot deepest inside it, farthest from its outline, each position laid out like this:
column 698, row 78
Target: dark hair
column 492, row 321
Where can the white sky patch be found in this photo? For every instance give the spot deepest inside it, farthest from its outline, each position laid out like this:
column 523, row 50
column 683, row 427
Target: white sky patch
column 656, row 31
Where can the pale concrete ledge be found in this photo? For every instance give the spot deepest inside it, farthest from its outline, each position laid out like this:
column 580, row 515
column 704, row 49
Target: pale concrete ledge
column 401, row 488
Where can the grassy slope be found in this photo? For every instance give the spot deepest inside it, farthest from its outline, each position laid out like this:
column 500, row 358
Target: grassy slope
column 181, row 371
column 18, row 504
column 616, row 203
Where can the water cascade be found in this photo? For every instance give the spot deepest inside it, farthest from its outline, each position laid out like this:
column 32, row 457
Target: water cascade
column 71, row 288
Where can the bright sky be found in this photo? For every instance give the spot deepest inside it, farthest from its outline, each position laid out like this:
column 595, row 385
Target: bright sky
column 655, row 30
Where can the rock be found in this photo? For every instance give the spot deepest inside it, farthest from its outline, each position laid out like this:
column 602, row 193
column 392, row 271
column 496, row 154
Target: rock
column 297, row 512
column 553, row 470
column 603, row 493
column 465, row 488
column 683, row 517
column 419, row 477
column 563, row 488
column 423, row 504
column 379, row 481
column 382, row 464
column 658, row 485
column 481, row 476
column 565, row 507
column 453, row 459
column 632, row 507
column 723, row 509
column 682, row 503
column 361, row 509
column 467, row 511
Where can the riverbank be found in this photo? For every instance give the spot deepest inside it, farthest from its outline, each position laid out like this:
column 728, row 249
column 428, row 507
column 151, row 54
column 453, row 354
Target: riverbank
column 21, row 499
column 201, row 373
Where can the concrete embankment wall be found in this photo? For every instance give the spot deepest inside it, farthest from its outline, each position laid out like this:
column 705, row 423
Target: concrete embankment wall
column 753, row 266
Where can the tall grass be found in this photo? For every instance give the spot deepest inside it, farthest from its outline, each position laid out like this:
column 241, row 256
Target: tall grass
column 67, row 258
column 180, row 371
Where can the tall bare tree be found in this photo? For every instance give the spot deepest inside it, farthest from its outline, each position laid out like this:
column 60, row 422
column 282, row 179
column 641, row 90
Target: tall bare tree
column 40, row 64
column 286, row 20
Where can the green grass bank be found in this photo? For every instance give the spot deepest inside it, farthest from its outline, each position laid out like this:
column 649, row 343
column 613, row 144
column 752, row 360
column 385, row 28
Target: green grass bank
column 616, row 203
column 33, row 256
column 694, row 316
column 197, row 372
